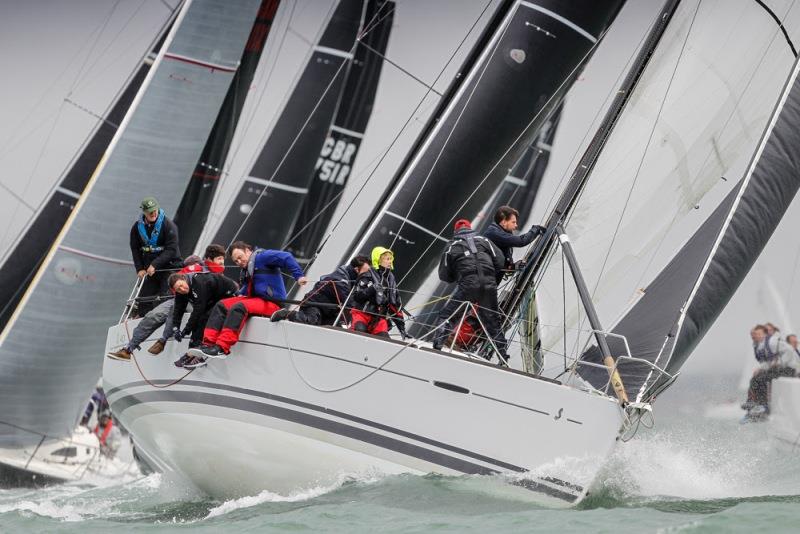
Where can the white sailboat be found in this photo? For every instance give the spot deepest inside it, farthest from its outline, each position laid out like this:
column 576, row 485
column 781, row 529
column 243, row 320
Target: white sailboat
column 295, row 406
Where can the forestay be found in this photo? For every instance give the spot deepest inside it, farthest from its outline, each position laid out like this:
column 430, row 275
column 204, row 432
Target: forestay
column 669, row 172
column 51, row 351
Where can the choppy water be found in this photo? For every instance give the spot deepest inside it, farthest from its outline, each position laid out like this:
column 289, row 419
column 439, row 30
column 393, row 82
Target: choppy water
column 691, row 473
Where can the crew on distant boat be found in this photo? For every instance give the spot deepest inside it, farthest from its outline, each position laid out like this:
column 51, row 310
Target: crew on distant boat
column 375, row 298
column 501, row 233
column 473, row 262
column 108, row 434
column 775, row 358
column 155, row 250
column 213, row 262
column 323, row 304
column 203, row 291
column 261, row 289
column 97, row 404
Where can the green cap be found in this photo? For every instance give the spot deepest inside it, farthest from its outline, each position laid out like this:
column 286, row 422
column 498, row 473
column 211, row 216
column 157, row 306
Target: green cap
column 149, row 204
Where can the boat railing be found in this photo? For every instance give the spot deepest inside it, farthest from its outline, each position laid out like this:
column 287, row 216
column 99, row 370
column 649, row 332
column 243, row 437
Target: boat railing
column 133, row 298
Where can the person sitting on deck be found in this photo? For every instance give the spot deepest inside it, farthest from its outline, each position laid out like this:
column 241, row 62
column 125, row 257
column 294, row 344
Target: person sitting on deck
column 375, row 297
column 155, row 250
column 203, row 291
column 775, row 358
column 214, row 262
column 501, row 233
column 261, row 289
column 473, row 262
column 323, row 304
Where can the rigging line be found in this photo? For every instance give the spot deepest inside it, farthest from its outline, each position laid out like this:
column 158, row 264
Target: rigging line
column 447, row 141
column 372, row 24
column 405, row 125
column 779, row 22
column 94, row 44
column 567, row 78
column 401, row 69
column 647, row 147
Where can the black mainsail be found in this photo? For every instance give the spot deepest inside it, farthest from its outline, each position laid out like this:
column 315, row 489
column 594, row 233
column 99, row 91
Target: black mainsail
column 193, row 210
column 340, row 150
column 268, row 202
column 533, row 54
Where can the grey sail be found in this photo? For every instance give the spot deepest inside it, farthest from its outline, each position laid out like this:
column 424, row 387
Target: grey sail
column 662, row 200
column 51, row 350
column 502, row 98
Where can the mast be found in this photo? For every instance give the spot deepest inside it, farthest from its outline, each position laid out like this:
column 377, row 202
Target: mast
column 194, row 207
column 484, row 128
column 584, row 167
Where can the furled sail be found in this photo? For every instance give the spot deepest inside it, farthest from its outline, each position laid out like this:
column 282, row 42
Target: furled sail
column 269, row 199
column 31, row 246
column 647, row 218
column 496, row 107
column 193, row 210
column 51, row 348
column 339, row 151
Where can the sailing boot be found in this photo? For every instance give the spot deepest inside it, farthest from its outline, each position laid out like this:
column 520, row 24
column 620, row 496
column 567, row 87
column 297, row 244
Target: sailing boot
column 279, row 315
column 157, row 347
column 123, row 355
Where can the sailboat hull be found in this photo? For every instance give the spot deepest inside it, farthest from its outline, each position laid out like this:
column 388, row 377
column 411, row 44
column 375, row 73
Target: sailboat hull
column 296, row 407
column 784, row 419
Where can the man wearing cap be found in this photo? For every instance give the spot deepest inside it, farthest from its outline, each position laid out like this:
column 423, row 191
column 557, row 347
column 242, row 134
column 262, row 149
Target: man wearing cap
column 155, row 250
column 473, row 262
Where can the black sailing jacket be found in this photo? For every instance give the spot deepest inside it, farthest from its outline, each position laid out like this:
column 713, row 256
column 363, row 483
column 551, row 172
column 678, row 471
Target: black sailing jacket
column 205, row 290
column 472, row 261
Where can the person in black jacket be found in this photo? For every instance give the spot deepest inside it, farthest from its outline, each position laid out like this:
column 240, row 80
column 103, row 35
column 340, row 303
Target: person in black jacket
column 375, row 298
column 155, row 250
column 501, row 233
column 203, row 291
column 321, row 306
column 472, row 261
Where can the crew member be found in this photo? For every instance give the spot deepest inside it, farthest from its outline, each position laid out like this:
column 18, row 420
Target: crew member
column 473, row 262
column 375, row 297
column 501, row 233
column 203, row 291
column 323, row 304
column 213, row 262
column 261, row 287
column 108, row 434
column 154, row 247
column 775, row 358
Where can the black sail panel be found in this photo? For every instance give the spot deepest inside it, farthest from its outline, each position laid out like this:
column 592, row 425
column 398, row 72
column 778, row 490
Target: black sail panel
column 339, row 151
column 24, row 258
column 194, row 207
column 265, row 208
column 508, row 95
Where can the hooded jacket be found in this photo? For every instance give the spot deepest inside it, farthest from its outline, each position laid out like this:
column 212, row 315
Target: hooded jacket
column 263, row 278
column 205, row 290
column 333, row 288
column 472, row 261
column 376, row 289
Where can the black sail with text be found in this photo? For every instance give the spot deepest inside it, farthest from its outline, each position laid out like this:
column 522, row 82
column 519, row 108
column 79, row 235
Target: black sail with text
column 266, row 206
column 507, row 94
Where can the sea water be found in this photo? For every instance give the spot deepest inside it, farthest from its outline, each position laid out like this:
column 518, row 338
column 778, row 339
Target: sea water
column 691, row 473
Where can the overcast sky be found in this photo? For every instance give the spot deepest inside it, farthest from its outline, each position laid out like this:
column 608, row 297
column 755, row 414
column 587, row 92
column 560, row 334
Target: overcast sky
column 83, row 50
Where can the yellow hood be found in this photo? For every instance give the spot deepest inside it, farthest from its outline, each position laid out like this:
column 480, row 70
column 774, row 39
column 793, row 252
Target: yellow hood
column 377, row 252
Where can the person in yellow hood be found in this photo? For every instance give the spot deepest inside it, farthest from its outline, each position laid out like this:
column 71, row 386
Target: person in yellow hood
column 375, row 297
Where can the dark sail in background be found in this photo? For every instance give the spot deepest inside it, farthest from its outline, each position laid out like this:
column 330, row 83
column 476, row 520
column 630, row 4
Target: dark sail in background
column 337, row 157
column 506, row 97
column 31, row 247
column 193, row 210
column 269, row 200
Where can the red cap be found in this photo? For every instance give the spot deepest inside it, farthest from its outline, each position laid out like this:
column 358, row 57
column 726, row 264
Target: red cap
column 462, row 223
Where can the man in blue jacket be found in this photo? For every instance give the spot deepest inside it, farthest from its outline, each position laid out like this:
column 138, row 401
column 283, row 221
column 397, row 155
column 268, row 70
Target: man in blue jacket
column 261, row 285
column 501, row 233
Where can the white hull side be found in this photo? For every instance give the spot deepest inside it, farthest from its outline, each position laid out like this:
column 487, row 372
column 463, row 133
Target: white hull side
column 784, row 419
column 340, row 403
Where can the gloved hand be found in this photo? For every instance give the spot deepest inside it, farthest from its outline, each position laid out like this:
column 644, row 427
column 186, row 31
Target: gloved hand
column 177, row 334
column 538, row 230
column 519, row 265
column 186, row 332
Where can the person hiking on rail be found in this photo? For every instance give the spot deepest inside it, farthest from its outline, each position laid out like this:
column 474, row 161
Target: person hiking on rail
column 323, row 304
column 155, row 250
column 261, row 289
column 775, row 359
column 473, row 262
column 375, row 297
column 213, row 262
column 501, row 233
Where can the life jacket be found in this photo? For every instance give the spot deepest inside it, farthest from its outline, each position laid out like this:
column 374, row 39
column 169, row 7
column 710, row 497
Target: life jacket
column 106, row 431
column 765, row 354
column 150, row 243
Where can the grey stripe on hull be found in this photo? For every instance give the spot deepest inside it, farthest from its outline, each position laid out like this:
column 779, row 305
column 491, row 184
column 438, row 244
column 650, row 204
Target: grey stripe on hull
column 327, row 425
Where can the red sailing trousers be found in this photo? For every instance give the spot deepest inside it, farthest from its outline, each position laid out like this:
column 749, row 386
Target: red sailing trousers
column 228, row 317
column 366, row 322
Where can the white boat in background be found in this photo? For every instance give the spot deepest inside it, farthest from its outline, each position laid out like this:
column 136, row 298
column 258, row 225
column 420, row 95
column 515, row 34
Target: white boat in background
column 784, row 418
